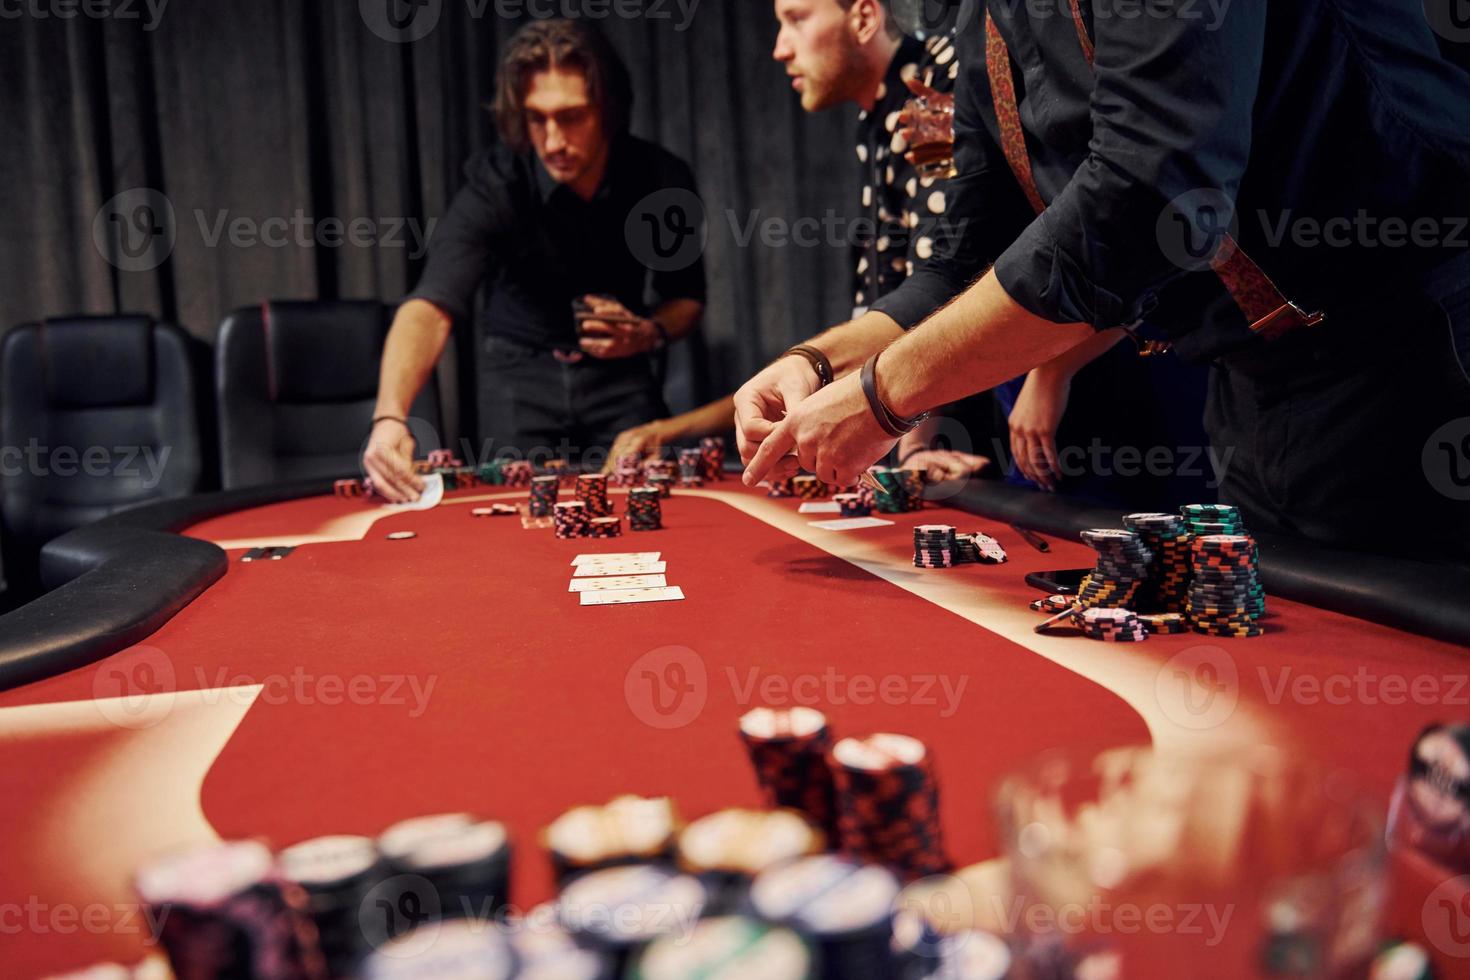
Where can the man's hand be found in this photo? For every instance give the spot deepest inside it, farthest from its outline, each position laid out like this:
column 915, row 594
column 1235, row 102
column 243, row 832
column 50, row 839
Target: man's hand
column 388, row 460
column 1034, row 421
column 832, row 433
column 643, row 440
column 766, row 399
column 945, row 464
column 609, row 340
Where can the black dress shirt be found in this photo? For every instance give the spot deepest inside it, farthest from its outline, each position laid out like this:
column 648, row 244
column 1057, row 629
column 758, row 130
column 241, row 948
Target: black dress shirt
column 538, row 246
column 1334, row 126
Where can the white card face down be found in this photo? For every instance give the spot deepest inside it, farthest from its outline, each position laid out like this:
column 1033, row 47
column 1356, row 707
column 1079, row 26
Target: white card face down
column 617, row 597
column 623, row 568
column 429, row 499
column 617, row 582
column 850, row 524
column 611, row 557
column 819, row 507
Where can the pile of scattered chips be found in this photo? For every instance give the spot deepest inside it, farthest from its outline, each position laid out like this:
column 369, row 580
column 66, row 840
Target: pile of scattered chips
column 934, row 546
column 1117, row 625
column 691, row 468
column 808, row 487
column 1123, row 564
column 544, row 490
column 443, row 459
column 494, row 510
column 517, row 473
column 888, row 804
column 783, row 487
column 645, row 513
column 853, row 505
column 627, row 470
column 1054, row 604
column 605, row 527
column 1225, row 594
column 592, row 491
column 902, row 490
column 571, row 520
column 975, row 548
column 1168, row 539
column 712, row 454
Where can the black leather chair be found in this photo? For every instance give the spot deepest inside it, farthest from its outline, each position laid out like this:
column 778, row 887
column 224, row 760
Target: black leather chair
column 297, row 382
column 97, row 414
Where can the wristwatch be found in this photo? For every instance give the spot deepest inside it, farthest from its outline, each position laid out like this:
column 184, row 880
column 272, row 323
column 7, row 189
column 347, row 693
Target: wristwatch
column 887, row 421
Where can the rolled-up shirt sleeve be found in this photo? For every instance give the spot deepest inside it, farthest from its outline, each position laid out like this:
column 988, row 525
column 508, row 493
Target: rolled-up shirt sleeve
column 462, row 249
column 985, row 211
column 1171, row 115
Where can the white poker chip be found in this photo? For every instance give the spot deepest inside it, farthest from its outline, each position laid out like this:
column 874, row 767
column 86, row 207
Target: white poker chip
column 401, row 535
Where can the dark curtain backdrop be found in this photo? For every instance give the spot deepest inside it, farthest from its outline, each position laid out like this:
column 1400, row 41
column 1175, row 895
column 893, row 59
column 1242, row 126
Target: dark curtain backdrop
column 268, row 108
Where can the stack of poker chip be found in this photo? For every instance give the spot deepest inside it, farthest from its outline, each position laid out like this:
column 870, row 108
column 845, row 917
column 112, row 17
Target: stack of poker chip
column 1225, row 594
column 783, row 487
column 728, row 946
column 663, row 483
column 223, row 910
column 888, row 804
column 1164, row 622
column 845, row 908
column 559, row 469
column 570, row 519
column 492, row 472
column 691, row 468
column 338, row 874
column 1169, row 539
column 976, row 548
column 448, row 950
column 728, row 848
column 788, row 748
column 934, row 546
column 657, row 466
column 645, row 513
column 443, row 459
column 592, row 491
column 466, row 476
column 544, row 490
column 545, row 951
column 348, row 488
column 627, row 470
column 902, row 490
column 712, row 455
column 1123, row 564
column 1109, row 623
column 625, row 830
column 517, row 473
column 808, row 487
column 448, row 866
column 619, row 912
column 853, row 505
column 605, row 527
column 450, row 476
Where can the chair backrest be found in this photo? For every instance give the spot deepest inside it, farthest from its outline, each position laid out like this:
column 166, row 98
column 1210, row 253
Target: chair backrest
column 297, row 382
column 97, row 413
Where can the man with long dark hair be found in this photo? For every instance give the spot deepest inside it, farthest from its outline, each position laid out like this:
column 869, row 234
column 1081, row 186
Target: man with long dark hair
column 541, row 222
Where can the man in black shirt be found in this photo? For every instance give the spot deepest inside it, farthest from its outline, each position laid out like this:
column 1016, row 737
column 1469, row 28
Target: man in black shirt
column 543, row 230
column 1103, row 158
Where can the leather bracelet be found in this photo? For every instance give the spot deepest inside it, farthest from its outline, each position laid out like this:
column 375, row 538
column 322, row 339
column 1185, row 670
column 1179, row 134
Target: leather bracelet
column 389, row 418
column 818, row 360
column 887, row 421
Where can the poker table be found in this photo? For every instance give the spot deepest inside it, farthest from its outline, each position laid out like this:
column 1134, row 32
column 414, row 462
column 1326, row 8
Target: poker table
column 165, row 692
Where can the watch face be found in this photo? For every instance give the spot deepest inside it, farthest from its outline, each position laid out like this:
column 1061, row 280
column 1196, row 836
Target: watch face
column 1439, row 776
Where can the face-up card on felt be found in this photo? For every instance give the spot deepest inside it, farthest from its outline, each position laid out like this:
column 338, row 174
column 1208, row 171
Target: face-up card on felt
column 617, row 582
column 616, row 557
column 623, row 568
column 819, row 507
column 850, row 524
column 617, row 597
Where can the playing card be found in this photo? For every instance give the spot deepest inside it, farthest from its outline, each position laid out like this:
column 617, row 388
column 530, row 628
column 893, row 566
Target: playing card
column 429, row 499
column 850, row 524
column 617, row 582
column 623, row 568
column 616, row 557
column 616, row 597
column 819, row 507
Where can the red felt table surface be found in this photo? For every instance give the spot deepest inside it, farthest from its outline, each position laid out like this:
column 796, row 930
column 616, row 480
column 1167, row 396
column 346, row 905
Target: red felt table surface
column 454, row 671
